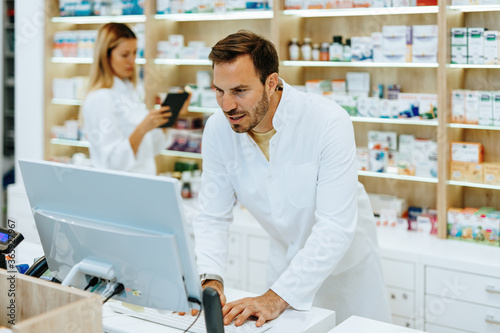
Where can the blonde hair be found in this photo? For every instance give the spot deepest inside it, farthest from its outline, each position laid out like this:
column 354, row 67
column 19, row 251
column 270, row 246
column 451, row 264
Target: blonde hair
column 109, row 36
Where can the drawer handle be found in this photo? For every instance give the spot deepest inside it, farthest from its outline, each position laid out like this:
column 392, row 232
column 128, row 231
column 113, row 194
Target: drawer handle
column 491, row 289
column 490, row 319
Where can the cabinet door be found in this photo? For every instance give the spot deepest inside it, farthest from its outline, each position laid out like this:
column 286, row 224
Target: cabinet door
column 258, row 248
column 459, row 285
column 402, row 302
column 399, row 274
column 461, row 315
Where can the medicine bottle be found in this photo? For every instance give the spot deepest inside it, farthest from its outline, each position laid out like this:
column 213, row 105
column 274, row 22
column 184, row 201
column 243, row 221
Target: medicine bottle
column 306, row 49
column 336, row 49
column 315, row 52
column 347, row 50
column 323, row 52
column 293, row 49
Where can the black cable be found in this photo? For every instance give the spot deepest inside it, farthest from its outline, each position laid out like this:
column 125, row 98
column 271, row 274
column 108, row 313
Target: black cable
column 194, row 300
column 38, row 268
column 118, row 289
column 92, row 283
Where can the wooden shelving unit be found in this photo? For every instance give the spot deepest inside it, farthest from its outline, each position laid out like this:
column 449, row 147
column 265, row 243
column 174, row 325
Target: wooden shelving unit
column 280, row 26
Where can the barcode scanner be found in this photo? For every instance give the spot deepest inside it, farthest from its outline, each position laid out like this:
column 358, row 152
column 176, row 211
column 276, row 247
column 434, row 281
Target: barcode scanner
column 213, row 311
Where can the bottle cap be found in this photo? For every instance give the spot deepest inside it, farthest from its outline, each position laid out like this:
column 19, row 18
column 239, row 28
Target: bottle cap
column 337, row 39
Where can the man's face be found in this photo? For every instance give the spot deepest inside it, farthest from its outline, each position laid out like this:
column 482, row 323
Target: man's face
column 241, row 94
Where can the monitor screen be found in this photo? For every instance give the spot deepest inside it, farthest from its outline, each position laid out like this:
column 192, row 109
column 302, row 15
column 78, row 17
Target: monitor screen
column 132, row 226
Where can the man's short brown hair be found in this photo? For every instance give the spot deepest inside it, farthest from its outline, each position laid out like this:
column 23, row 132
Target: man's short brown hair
column 261, row 50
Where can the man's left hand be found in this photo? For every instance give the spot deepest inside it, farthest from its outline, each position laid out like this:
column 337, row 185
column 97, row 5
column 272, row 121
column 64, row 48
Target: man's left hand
column 265, row 308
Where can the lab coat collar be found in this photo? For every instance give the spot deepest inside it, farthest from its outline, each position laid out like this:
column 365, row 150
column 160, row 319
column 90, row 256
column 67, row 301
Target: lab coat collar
column 124, row 86
column 279, row 119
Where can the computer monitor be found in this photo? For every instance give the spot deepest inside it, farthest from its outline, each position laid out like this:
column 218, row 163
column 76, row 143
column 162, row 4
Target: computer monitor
column 129, row 227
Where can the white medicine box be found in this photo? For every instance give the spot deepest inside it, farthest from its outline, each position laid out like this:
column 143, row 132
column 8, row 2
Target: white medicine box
column 475, row 43
column 459, row 49
column 491, row 47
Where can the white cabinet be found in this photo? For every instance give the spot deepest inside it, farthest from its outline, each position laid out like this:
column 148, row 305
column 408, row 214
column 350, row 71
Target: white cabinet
column 462, row 300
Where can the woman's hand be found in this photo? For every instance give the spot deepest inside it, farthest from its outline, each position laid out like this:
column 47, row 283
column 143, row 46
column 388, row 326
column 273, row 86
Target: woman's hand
column 155, row 118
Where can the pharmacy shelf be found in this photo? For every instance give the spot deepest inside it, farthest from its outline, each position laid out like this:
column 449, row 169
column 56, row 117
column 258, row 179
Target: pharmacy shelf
column 361, row 11
column 100, row 19
column 192, row 62
column 77, row 60
column 476, row 8
column 202, row 109
column 63, row 101
column 473, row 66
column 180, row 154
column 302, row 63
column 238, row 15
column 398, row 121
column 395, row 176
column 476, row 185
column 72, row 143
column 471, row 126
column 86, row 144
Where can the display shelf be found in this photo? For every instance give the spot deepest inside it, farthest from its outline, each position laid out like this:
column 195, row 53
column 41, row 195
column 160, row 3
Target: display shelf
column 100, row 19
column 195, row 62
column 202, row 109
column 476, row 185
column 79, row 60
column 419, row 122
column 175, row 153
column 465, row 66
column 302, row 63
column 238, row 15
column 477, row 127
column 361, row 11
column 72, row 143
column 62, row 101
column 395, row 176
column 475, row 8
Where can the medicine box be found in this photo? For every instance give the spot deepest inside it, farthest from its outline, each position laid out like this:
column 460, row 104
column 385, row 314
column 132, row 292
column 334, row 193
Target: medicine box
column 427, row 108
column 424, row 43
column 361, row 49
column 491, row 47
column 42, row 306
column 496, row 108
column 377, row 46
column 408, row 105
column 469, row 152
column 388, row 108
column 424, row 157
column 471, row 107
column 466, row 172
column 358, row 82
column 491, row 173
column 381, row 136
column 475, row 43
column 458, row 106
column 394, row 43
column 485, row 108
column 363, row 159
column 459, row 50
column 454, row 225
column 378, row 160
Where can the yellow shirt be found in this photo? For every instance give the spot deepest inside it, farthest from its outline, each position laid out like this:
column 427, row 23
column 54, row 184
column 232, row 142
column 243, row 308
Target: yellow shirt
column 262, row 140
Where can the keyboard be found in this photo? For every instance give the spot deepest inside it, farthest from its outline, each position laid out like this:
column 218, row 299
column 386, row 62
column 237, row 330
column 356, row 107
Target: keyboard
column 173, row 319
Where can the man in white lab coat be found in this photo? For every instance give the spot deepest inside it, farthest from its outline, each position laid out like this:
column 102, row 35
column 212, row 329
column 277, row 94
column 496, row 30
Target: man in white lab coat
column 290, row 158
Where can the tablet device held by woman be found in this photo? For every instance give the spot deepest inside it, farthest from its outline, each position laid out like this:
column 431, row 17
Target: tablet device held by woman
column 175, row 101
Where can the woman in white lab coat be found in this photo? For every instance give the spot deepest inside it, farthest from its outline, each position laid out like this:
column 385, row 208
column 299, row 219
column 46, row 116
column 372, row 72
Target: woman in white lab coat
column 123, row 134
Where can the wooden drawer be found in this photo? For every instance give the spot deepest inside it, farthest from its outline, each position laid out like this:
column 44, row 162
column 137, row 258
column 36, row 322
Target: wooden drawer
column 461, row 315
column 402, row 302
column 258, row 248
column 403, row 321
column 463, row 286
column 399, row 274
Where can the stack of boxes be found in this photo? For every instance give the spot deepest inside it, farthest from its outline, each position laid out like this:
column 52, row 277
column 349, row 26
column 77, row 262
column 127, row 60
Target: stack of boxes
column 101, row 7
column 475, row 107
column 467, row 164
column 415, row 157
column 174, row 48
column 475, row 46
column 479, row 225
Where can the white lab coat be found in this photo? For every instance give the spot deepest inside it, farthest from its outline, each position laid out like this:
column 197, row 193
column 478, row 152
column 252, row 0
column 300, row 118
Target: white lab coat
column 110, row 116
column 308, row 199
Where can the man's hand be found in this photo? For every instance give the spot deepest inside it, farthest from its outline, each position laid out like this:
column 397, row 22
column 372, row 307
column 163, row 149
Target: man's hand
column 217, row 286
column 265, row 308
